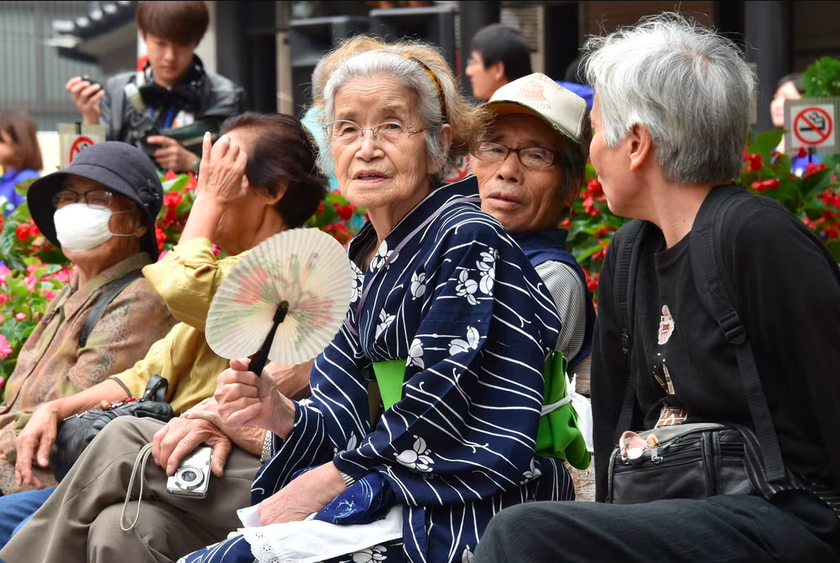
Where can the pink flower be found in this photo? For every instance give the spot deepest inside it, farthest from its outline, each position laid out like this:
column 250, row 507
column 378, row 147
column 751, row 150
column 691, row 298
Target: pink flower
column 4, row 270
column 2, row 381
column 4, row 298
column 5, row 349
column 62, row 275
column 20, row 316
column 2, row 319
column 49, row 294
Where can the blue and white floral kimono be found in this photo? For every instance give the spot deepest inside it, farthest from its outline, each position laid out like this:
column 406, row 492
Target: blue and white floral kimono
column 449, row 293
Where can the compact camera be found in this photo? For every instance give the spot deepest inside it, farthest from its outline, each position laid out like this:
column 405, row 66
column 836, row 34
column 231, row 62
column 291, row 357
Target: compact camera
column 193, row 476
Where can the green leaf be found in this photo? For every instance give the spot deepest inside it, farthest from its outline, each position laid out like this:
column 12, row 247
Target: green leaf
column 585, row 253
column 834, row 247
column 23, row 187
column 822, row 78
column 816, row 183
column 24, row 329
column 766, row 142
column 176, row 183
column 15, row 263
column 8, row 238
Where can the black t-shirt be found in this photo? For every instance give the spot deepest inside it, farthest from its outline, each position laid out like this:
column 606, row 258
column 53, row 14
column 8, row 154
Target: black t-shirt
column 789, row 302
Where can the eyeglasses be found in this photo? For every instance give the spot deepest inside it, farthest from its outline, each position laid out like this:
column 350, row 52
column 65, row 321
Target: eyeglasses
column 98, row 199
column 536, row 158
column 348, row 132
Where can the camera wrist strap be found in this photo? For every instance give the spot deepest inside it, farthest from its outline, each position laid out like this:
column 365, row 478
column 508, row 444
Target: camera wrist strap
column 139, row 462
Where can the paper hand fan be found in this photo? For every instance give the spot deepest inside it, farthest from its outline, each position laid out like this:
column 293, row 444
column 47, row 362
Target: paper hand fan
column 285, row 300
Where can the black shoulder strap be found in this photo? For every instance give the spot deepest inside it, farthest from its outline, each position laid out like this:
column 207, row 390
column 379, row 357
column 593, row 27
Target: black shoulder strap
column 156, row 389
column 706, row 251
column 629, row 242
column 103, row 300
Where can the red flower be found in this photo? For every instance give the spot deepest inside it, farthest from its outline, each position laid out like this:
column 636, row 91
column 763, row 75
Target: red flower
column 191, row 184
column 567, row 223
column 830, row 198
column 754, row 162
column 170, row 175
column 762, row 185
column 34, row 231
column 812, row 169
column 831, row 231
column 601, row 254
column 591, row 280
column 22, row 231
column 589, row 207
column 344, row 211
column 594, row 187
column 160, row 236
column 802, row 152
column 320, row 210
column 172, row 199
column 339, row 232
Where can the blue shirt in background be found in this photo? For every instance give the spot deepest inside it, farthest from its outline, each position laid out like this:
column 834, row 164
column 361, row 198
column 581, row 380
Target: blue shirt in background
column 8, row 181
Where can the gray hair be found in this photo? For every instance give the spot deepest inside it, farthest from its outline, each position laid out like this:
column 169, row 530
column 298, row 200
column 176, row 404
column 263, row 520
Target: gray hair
column 689, row 86
column 415, row 79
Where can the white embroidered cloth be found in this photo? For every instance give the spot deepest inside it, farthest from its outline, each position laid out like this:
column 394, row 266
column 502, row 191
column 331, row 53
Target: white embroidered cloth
column 311, row 541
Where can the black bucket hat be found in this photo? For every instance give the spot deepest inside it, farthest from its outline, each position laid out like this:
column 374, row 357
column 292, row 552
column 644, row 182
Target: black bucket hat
column 122, row 168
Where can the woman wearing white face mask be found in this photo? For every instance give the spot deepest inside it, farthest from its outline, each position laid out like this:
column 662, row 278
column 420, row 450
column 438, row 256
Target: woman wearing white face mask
column 100, row 211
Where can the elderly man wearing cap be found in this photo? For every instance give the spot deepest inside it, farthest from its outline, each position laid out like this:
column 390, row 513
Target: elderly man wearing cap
column 529, row 167
column 100, row 211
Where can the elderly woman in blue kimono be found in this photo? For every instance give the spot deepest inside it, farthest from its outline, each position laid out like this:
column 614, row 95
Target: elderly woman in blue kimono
column 449, row 323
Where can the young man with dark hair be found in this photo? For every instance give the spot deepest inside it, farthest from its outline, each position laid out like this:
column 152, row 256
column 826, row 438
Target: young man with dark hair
column 173, row 90
column 498, row 54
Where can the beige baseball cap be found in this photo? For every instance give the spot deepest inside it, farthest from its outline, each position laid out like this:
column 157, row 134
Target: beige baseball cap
column 537, row 94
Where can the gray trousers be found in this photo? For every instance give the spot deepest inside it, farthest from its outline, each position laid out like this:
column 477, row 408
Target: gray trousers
column 81, row 521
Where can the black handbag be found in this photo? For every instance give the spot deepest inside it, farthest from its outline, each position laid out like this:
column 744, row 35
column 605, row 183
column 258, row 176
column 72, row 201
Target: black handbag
column 689, row 461
column 77, row 431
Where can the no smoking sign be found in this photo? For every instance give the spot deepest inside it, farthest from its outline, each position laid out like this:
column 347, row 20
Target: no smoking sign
column 811, row 125
column 79, row 145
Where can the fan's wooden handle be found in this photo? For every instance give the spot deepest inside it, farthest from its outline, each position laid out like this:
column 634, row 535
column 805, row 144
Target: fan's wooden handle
column 259, row 359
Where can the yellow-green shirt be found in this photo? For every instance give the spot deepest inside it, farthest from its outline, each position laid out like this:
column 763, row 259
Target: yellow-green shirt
column 186, row 278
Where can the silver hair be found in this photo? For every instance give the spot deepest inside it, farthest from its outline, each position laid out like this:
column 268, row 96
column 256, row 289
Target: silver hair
column 415, row 79
column 689, row 86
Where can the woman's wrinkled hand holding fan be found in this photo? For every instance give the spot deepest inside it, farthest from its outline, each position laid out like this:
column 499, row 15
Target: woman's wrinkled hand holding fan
column 284, row 301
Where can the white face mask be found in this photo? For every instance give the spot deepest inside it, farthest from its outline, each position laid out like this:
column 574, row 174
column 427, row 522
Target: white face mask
column 80, row 227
